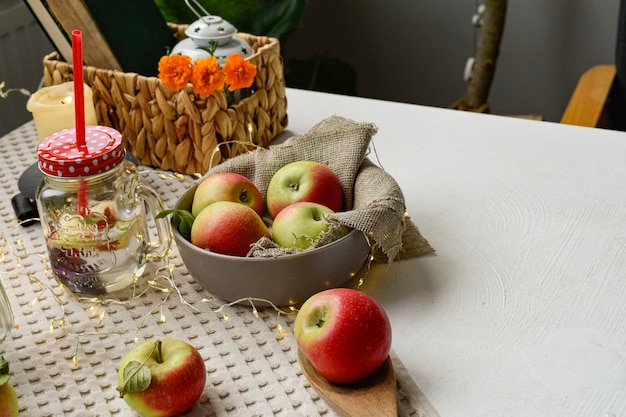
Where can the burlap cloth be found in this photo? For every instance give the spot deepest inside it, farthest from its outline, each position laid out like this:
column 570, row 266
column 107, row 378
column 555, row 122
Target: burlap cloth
column 373, row 201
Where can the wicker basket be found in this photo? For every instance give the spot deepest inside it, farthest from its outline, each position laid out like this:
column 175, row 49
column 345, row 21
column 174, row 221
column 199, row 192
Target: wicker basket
column 181, row 131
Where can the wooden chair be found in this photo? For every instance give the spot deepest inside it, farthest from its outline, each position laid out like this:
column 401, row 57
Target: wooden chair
column 588, row 105
column 599, row 99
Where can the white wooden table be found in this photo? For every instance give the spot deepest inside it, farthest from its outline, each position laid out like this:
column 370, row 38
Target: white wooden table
column 522, row 311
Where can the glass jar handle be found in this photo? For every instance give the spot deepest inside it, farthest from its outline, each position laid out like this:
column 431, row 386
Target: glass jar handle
column 7, row 320
column 155, row 204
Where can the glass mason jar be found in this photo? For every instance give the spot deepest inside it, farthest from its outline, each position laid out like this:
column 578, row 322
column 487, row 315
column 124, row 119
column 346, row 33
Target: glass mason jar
column 92, row 208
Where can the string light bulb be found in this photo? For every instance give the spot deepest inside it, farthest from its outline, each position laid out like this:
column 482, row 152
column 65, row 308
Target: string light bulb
column 281, row 331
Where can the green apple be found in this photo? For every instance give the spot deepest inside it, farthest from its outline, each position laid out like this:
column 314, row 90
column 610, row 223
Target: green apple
column 228, row 228
column 163, row 377
column 303, row 181
column 227, row 186
column 299, row 224
column 8, row 396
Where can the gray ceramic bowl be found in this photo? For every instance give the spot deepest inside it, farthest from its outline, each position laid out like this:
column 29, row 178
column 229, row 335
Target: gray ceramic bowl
column 284, row 280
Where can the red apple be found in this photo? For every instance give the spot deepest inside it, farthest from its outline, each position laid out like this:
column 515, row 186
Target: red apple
column 299, row 224
column 8, row 400
column 163, row 377
column 228, row 228
column 227, row 186
column 8, row 396
column 304, row 181
column 345, row 334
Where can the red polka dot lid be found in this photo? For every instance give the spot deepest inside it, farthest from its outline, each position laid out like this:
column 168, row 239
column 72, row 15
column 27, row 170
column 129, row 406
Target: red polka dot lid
column 60, row 155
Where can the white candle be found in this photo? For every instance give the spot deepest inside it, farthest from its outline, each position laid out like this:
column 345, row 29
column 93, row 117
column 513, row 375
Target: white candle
column 53, row 108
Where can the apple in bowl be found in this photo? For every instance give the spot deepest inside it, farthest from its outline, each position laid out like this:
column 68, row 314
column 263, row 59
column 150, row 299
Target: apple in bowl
column 227, row 186
column 303, row 181
column 299, row 224
column 284, row 280
column 228, row 228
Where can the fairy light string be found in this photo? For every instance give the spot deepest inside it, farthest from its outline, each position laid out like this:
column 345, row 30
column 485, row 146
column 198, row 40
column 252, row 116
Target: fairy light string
column 161, row 282
column 5, row 93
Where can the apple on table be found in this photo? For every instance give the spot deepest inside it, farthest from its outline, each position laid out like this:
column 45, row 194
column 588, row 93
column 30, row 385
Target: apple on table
column 345, row 334
column 299, row 224
column 8, row 396
column 162, row 378
column 303, row 181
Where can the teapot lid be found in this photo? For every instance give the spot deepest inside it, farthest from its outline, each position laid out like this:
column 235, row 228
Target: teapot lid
column 211, row 28
column 60, row 156
column 208, row 28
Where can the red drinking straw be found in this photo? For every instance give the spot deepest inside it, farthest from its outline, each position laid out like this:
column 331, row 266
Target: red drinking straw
column 82, row 205
column 79, row 97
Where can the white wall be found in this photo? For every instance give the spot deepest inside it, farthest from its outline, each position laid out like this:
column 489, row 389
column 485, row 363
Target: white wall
column 415, row 50
column 22, row 47
column 411, row 50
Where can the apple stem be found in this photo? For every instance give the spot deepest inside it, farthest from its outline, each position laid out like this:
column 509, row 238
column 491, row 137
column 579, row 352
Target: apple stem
column 243, row 197
column 159, row 354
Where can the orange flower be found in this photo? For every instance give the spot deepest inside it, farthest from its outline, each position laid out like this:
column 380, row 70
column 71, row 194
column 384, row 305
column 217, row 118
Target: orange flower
column 239, row 73
column 206, row 76
column 175, row 71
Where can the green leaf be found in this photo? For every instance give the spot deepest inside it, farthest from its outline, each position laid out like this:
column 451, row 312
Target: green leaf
column 183, row 220
column 277, row 18
column 4, row 371
column 137, row 378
